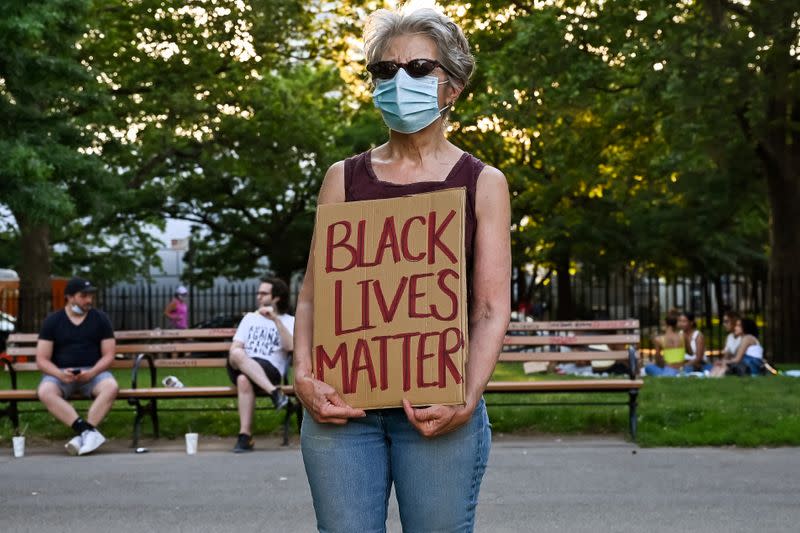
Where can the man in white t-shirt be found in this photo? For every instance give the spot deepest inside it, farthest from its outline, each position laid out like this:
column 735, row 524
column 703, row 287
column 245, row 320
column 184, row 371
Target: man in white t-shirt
column 259, row 355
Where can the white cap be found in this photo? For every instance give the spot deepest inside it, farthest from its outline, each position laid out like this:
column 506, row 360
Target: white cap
column 181, row 290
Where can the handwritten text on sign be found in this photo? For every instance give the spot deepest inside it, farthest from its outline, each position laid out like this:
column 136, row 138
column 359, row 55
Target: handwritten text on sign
column 389, row 319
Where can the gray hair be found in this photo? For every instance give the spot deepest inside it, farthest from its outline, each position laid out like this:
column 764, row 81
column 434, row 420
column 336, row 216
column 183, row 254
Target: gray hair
column 454, row 54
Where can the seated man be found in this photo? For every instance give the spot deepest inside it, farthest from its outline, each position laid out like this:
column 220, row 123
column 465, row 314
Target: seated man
column 75, row 348
column 259, row 354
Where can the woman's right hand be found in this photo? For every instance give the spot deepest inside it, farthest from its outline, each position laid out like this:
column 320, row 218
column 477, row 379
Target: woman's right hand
column 323, row 403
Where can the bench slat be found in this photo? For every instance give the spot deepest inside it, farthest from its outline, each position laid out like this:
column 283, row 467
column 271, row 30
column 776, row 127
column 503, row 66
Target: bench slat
column 147, row 393
column 569, row 340
column 563, row 356
column 189, row 347
column 572, row 385
column 212, row 362
column 144, row 334
column 576, row 325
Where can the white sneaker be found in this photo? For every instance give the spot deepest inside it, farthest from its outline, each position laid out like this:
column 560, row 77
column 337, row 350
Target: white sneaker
column 74, row 445
column 92, row 439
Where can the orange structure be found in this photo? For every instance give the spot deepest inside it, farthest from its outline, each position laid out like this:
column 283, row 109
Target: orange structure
column 9, row 294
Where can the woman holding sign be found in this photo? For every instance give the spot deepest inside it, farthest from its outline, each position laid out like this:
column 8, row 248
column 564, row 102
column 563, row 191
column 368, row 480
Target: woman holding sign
column 434, row 455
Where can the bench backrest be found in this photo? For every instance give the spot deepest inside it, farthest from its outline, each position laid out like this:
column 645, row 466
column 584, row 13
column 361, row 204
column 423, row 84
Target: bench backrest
column 608, row 340
column 184, row 341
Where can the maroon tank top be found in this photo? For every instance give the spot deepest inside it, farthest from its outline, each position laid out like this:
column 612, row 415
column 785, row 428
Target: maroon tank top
column 361, row 183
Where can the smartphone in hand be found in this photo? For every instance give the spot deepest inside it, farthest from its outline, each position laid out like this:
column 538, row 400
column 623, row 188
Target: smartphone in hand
column 76, row 371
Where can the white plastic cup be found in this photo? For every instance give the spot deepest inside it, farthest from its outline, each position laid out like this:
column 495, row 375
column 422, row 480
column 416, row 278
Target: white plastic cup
column 191, row 443
column 19, row 446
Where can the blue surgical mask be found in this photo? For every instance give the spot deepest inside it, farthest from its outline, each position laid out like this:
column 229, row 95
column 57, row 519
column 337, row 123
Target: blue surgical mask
column 76, row 309
column 408, row 104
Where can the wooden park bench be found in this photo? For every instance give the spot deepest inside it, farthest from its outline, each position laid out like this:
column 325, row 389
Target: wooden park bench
column 540, row 342
column 137, row 351
column 597, row 341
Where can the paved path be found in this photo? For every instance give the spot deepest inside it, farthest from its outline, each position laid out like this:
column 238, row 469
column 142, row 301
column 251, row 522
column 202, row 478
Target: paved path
column 533, row 484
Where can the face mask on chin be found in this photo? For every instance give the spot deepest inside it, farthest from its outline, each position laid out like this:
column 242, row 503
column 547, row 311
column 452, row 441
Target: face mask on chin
column 77, row 310
column 408, row 104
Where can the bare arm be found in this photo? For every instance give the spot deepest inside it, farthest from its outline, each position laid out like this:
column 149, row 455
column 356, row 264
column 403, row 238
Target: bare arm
column 44, row 362
column 658, row 341
column 491, row 304
column 747, row 341
column 700, row 342
column 108, row 348
column 321, row 400
column 286, row 336
column 491, row 282
column 237, row 347
column 169, row 310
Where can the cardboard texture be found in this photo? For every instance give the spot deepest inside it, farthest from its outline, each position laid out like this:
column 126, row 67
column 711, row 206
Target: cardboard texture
column 390, row 299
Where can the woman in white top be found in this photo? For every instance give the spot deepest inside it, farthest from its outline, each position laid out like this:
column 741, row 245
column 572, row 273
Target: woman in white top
column 749, row 358
column 733, row 339
column 695, row 344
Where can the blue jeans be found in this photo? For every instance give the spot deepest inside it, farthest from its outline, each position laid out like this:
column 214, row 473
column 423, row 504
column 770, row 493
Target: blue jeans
column 351, row 469
column 689, row 368
column 754, row 364
column 654, row 370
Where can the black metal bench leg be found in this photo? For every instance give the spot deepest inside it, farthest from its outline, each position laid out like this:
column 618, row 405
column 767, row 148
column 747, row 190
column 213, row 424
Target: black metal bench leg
column 292, row 408
column 632, row 400
column 154, row 417
column 148, row 410
column 137, row 424
column 13, row 413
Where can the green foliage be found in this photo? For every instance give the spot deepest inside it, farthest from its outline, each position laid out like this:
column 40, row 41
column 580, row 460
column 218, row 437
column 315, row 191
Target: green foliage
column 226, row 116
column 619, row 142
column 49, row 175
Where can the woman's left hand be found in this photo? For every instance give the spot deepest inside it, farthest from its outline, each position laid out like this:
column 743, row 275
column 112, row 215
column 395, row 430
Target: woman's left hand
column 437, row 420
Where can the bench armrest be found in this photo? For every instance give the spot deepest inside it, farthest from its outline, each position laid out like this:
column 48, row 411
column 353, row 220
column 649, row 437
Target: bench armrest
column 135, row 370
column 633, row 362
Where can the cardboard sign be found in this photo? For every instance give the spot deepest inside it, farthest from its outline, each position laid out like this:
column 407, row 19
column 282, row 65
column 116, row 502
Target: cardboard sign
column 390, row 297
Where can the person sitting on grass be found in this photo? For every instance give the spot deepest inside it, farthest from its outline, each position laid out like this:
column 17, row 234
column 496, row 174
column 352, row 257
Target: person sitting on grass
column 733, row 340
column 695, row 344
column 259, row 354
column 669, row 350
column 749, row 357
column 75, row 349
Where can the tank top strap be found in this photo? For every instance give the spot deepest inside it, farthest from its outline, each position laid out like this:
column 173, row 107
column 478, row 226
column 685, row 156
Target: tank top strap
column 356, row 174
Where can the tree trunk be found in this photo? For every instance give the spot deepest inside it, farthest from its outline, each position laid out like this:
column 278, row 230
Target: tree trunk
column 34, row 275
column 522, row 303
column 566, row 307
column 783, row 301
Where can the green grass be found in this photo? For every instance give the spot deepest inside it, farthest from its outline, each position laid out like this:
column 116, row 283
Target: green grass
column 745, row 412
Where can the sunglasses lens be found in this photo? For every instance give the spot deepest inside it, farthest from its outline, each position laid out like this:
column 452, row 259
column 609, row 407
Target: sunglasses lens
column 420, row 67
column 416, row 68
column 383, row 70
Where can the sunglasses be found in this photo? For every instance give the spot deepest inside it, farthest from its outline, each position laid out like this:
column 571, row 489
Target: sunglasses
column 416, row 68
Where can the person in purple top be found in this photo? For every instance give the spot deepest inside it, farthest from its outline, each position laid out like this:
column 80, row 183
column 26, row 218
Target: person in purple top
column 434, row 456
column 75, row 349
column 176, row 311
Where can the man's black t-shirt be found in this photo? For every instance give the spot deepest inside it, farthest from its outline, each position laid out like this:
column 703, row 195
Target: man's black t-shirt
column 76, row 346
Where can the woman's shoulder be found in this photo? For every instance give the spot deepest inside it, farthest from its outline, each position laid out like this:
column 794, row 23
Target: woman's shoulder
column 332, row 188
column 748, row 340
column 492, row 186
